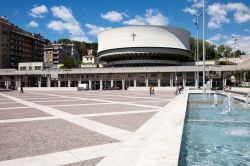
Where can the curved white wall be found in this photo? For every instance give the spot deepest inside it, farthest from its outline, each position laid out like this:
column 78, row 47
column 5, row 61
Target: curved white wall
column 146, row 36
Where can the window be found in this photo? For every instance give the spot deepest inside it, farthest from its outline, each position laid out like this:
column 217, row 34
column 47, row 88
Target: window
column 23, row 68
column 30, row 67
column 153, row 74
column 37, row 67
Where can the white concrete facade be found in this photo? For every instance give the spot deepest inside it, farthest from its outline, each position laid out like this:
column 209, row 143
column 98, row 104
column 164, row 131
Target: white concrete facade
column 144, row 36
column 33, row 66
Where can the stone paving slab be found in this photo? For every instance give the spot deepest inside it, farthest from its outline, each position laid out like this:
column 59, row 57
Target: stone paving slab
column 121, row 99
column 25, row 139
column 91, row 162
column 5, row 101
column 33, row 97
column 1, row 98
column 38, row 98
column 90, row 109
column 129, row 122
column 156, row 103
column 21, row 113
column 5, row 105
column 69, row 102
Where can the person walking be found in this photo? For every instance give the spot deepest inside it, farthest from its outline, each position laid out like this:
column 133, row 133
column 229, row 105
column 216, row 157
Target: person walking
column 21, row 89
column 150, row 90
column 153, row 90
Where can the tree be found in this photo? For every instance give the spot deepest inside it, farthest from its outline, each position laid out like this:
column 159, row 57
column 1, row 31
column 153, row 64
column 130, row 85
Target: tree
column 68, row 62
column 64, row 41
column 238, row 53
column 239, row 76
column 210, row 51
column 192, row 48
column 220, row 50
column 228, row 52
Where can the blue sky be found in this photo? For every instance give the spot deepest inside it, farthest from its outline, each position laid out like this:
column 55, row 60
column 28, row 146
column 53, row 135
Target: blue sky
column 82, row 20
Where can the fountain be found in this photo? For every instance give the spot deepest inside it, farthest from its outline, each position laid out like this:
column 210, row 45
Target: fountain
column 215, row 100
column 228, row 103
column 208, row 87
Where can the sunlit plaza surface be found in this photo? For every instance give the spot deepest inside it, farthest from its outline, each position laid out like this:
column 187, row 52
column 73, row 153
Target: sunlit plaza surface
column 67, row 128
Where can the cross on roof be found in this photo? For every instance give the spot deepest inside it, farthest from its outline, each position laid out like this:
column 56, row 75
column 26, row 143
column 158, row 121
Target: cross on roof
column 133, row 36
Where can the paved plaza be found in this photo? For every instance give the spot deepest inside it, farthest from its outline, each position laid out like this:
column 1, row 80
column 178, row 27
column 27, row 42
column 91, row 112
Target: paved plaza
column 72, row 128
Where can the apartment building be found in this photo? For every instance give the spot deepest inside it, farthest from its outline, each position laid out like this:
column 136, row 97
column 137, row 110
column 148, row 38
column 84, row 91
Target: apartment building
column 55, row 53
column 18, row 45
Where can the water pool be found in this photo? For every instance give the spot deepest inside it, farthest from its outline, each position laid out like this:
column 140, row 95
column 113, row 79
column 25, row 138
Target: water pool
column 213, row 136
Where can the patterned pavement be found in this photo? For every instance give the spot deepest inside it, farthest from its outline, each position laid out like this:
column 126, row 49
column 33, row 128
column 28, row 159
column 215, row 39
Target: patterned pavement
column 71, row 128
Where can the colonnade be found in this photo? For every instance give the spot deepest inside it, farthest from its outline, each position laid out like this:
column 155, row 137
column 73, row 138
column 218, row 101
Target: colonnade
column 124, row 80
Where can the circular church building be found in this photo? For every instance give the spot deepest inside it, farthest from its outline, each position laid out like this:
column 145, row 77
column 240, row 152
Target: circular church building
column 143, row 46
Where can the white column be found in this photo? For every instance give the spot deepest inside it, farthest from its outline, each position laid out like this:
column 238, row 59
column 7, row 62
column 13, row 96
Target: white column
column 225, row 82
column 17, row 82
column 195, row 81
column 159, row 82
column 59, row 82
column 184, row 79
column 90, row 84
column 6, row 82
column 146, row 80
column 123, row 84
column 170, row 80
column 134, row 82
column 79, row 79
column 48, row 80
column 39, row 79
column 112, row 83
column 100, row 84
column 69, row 81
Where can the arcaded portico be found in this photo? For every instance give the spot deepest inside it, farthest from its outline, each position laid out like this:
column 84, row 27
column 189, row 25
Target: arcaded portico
column 103, row 78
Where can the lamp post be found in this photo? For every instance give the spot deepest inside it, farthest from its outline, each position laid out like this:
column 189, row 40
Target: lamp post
column 196, row 23
column 204, row 51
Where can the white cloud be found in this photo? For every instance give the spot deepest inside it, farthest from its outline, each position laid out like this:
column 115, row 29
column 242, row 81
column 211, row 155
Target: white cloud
column 194, row 1
column 242, row 17
column 63, row 13
column 56, row 26
column 67, row 23
column 38, row 11
column 247, row 30
column 191, row 11
column 113, row 16
column 242, row 12
column 138, row 20
column 197, row 4
column 219, row 12
column 218, row 15
column 32, row 24
column 94, row 30
column 216, row 37
column 151, row 17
